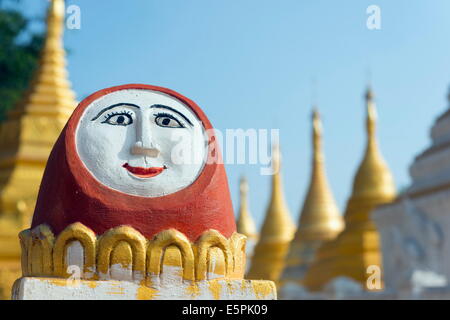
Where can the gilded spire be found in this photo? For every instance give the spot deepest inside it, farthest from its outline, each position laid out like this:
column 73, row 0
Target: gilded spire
column 373, row 179
column 357, row 247
column 33, row 126
column 278, row 225
column 320, row 212
column 245, row 224
column 26, row 139
column 320, row 219
column 50, row 91
column 277, row 231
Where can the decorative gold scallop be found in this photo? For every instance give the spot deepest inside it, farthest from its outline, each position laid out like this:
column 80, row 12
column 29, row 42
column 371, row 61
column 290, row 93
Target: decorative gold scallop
column 109, row 240
column 158, row 249
column 238, row 243
column 25, row 239
column 121, row 263
column 87, row 238
column 209, row 239
column 171, row 266
column 172, row 257
column 40, row 251
column 215, row 263
column 212, row 255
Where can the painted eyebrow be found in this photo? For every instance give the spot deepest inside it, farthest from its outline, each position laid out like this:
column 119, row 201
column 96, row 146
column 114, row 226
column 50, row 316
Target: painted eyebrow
column 173, row 110
column 113, row 106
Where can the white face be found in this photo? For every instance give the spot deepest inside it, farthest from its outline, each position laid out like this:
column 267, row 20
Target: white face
column 141, row 142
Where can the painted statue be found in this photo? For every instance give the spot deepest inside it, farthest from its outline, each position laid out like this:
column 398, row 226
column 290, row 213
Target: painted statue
column 135, row 191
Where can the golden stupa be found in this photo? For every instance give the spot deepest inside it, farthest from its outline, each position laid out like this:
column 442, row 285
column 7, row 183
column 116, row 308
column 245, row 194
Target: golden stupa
column 276, row 233
column 245, row 224
column 320, row 219
column 26, row 139
column 357, row 247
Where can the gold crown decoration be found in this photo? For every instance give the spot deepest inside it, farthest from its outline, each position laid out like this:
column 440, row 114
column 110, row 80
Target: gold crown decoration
column 211, row 256
column 122, row 264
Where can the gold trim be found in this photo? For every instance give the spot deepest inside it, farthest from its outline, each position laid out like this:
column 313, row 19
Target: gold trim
column 74, row 232
column 109, row 246
column 39, row 252
column 45, row 255
column 207, row 255
column 25, row 238
column 238, row 244
column 158, row 248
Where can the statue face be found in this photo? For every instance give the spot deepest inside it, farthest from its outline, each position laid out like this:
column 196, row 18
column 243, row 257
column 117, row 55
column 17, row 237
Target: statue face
column 141, row 142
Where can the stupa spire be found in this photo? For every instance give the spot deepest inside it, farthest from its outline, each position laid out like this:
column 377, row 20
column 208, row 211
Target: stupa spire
column 33, row 126
column 278, row 225
column 277, row 231
column 50, row 91
column 26, row 139
column 357, row 247
column 320, row 219
column 245, row 224
column 373, row 179
column 372, row 117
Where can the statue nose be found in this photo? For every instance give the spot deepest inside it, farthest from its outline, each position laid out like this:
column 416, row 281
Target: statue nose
column 139, row 149
column 144, row 145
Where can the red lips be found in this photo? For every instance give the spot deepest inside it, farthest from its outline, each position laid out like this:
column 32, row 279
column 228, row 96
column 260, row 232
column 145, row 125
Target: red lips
column 144, row 172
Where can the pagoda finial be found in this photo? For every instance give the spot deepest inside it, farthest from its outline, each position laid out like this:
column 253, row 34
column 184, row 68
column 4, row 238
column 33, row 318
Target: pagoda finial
column 371, row 115
column 277, row 231
column 373, row 164
column 245, row 224
column 320, row 210
column 278, row 204
column 320, row 219
column 317, row 135
column 276, row 160
column 55, row 21
column 50, row 91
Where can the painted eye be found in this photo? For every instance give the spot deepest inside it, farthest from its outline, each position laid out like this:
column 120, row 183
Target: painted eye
column 119, row 119
column 167, row 121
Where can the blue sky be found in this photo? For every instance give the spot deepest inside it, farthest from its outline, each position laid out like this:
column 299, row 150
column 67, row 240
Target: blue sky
column 249, row 64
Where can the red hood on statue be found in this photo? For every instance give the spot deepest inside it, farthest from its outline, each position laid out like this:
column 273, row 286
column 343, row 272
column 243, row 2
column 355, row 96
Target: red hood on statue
column 136, row 155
